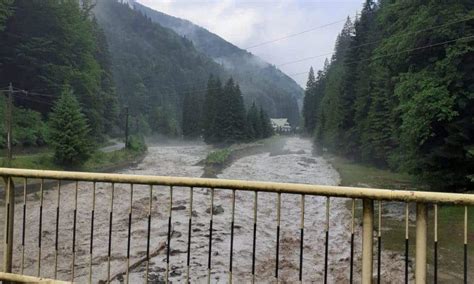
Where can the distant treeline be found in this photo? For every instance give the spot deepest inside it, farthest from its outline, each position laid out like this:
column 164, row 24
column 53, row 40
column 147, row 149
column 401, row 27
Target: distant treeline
column 221, row 118
column 399, row 91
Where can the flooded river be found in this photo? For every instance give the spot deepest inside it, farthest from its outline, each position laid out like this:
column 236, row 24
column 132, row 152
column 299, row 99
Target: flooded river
column 295, row 163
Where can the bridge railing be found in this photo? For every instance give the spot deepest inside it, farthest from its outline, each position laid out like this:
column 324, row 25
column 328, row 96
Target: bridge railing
column 21, row 183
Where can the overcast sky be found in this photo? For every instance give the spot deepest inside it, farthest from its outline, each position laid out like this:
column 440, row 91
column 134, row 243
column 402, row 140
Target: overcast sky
column 247, row 23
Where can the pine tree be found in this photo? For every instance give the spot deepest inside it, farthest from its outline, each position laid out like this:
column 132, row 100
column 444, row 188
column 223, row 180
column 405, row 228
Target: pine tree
column 69, row 132
column 210, row 109
column 191, row 124
column 254, row 126
column 309, row 103
column 266, row 126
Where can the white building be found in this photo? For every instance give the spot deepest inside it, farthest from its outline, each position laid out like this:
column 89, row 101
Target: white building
column 280, row 125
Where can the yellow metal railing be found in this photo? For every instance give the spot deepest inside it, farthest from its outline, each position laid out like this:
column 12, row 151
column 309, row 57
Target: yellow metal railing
column 368, row 196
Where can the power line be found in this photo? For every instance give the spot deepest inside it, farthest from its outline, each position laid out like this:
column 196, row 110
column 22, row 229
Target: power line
column 398, row 52
column 378, row 41
column 295, row 34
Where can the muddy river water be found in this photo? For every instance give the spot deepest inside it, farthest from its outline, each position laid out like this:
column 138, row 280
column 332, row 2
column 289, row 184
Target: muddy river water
column 296, row 164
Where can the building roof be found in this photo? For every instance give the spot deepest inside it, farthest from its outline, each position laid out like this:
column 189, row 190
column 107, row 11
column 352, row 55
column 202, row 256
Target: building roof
column 280, row 122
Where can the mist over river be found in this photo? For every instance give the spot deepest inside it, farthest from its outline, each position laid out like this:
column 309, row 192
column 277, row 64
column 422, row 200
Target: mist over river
column 294, row 163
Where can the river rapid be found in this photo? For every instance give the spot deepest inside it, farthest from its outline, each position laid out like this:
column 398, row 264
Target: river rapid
column 295, row 164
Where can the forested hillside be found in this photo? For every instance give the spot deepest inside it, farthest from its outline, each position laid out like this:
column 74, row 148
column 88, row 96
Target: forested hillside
column 106, row 60
column 67, row 49
column 153, row 67
column 399, row 91
column 261, row 82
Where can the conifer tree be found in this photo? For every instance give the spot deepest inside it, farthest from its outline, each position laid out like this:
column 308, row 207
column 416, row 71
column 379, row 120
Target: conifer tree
column 191, row 124
column 254, row 126
column 309, row 102
column 266, row 126
column 69, row 132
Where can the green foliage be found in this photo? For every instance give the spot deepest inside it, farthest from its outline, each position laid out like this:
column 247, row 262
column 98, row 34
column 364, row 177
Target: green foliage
column 67, row 48
column 386, row 101
column 137, row 143
column 219, row 157
column 69, row 132
column 259, row 81
column 225, row 119
column 5, row 12
column 28, row 127
column 153, row 68
column 191, row 125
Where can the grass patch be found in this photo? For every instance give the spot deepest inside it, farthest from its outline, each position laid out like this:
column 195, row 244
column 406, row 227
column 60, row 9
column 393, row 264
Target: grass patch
column 100, row 160
column 44, row 161
column 354, row 174
column 218, row 158
column 97, row 162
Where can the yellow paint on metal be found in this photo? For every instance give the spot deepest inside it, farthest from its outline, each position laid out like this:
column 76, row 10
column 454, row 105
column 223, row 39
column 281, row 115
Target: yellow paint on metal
column 26, row 279
column 421, row 239
column 367, row 241
column 321, row 190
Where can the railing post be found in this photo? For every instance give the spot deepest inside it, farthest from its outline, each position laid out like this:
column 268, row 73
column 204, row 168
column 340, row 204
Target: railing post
column 9, row 211
column 421, row 230
column 367, row 241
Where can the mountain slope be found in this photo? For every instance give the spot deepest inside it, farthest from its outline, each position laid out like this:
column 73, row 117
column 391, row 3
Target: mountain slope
column 153, row 67
column 260, row 82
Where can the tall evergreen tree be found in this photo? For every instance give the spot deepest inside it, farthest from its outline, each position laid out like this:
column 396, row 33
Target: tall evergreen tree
column 266, row 126
column 191, row 123
column 69, row 132
column 390, row 100
column 210, row 108
column 309, row 103
column 254, row 125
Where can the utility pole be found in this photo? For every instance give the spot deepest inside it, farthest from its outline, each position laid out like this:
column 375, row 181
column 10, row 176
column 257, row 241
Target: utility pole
column 126, row 127
column 10, row 189
column 8, row 127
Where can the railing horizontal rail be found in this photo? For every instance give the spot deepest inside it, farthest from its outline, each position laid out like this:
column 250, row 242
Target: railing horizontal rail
column 16, row 278
column 292, row 188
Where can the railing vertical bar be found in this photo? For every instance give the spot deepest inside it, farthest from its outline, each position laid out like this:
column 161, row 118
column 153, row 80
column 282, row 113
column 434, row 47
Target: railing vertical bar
column 188, row 260
column 40, row 228
column 407, row 241
column 367, row 240
column 421, row 232
column 301, row 237
column 254, row 244
column 129, row 234
column 111, row 212
column 74, row 233
column 326, row 247
column 277, row 257
column 91, row 247
column 435, row 243
column 210, row 237
column 351, row 272
column 379, row 243
column 465, row 244
column 23, row 231
column 170, row 210
column 232, row 236
column 9, row 225
column 57, row 232
column 150, row 204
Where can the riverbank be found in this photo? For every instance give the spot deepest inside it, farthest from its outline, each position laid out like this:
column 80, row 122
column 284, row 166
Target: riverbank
column 450, row 218
column 100, row 161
